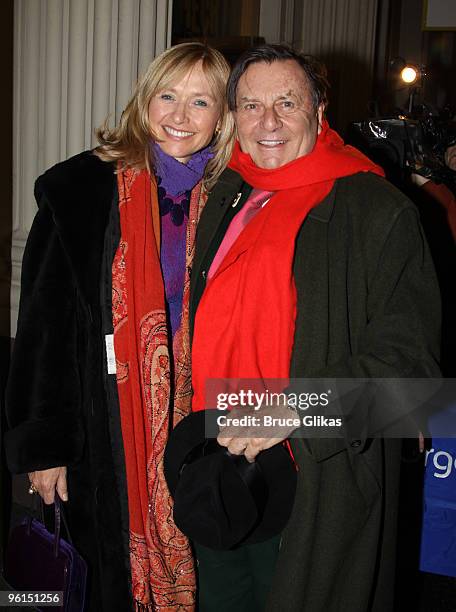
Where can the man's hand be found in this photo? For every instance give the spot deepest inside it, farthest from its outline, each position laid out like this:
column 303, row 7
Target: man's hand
column 267, row 427
column 450, row 157
column 47, row 482
column 418, row 179
column 421, row 442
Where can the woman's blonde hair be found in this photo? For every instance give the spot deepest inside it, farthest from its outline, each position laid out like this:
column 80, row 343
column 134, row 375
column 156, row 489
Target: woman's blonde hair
column 129, row 142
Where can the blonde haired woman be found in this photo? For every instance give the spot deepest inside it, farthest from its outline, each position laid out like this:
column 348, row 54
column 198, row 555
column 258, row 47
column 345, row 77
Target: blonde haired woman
column 100, row 370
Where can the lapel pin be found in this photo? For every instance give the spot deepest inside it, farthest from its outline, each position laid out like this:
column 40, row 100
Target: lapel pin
column 236, row 200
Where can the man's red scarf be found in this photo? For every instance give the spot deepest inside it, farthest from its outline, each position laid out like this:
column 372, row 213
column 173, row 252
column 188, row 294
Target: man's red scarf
column 162, row 569
column 244, row 325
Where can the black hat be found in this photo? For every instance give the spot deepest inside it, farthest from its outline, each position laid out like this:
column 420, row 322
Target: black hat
column 221, row 500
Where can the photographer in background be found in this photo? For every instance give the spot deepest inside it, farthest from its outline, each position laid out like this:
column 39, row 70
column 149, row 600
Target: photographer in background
column 417, row 151
column 440, row 192
column 436, row 202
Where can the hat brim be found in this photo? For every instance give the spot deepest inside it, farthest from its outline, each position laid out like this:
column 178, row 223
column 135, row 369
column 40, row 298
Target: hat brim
column 277, row 468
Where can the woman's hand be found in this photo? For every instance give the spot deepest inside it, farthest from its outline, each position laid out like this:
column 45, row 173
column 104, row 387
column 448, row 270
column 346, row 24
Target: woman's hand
column 47, row 482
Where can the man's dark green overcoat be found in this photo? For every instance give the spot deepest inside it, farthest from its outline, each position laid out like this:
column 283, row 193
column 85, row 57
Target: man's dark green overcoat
column 368, row 306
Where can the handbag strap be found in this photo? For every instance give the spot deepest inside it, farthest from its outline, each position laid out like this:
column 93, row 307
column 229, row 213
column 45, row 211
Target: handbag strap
column 63, row 518
column 59, row 519
column 58, row 515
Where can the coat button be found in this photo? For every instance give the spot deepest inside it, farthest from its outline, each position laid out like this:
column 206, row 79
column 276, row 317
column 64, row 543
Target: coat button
column 355, row 443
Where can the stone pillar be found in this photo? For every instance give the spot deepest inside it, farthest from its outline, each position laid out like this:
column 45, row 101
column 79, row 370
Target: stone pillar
column 75, row 63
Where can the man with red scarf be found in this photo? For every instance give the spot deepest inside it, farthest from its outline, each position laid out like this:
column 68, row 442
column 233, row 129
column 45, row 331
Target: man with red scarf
column 309, row 264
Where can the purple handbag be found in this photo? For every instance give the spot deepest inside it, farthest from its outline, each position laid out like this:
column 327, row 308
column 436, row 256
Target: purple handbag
column 37, row 560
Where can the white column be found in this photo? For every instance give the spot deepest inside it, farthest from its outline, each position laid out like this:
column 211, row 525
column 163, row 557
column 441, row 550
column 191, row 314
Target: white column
column 277, row 20
column 75, row 63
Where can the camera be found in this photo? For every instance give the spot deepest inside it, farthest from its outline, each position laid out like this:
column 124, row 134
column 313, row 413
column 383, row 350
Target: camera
column 405, row 143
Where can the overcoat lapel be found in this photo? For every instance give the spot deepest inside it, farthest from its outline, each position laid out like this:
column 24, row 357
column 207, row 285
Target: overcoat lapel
column 217, row 205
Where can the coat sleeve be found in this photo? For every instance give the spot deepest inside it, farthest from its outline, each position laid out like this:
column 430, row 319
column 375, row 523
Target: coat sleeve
column 400, row 340
column 43, row 395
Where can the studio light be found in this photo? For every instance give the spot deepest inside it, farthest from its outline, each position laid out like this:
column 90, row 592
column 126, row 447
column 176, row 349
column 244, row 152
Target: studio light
column 406, row 73
column 409, row 74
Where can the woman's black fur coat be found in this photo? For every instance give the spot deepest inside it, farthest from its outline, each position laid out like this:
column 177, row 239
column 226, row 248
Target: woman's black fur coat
column 56, row 395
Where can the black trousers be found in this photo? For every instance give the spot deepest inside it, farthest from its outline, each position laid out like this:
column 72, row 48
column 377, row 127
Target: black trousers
column 236, row 580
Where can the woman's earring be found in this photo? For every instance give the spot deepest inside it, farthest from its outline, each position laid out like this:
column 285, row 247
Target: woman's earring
column 217, row 131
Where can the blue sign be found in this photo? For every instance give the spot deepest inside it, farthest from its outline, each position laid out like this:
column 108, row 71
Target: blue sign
column 438, row 543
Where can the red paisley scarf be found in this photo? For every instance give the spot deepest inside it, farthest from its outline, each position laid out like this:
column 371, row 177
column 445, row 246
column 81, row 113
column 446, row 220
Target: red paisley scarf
column 162, row 569
column 244, row 325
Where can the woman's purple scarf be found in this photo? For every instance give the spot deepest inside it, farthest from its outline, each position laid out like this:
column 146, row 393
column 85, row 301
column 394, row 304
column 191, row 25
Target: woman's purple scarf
column 175, row 182
column 176, row 177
